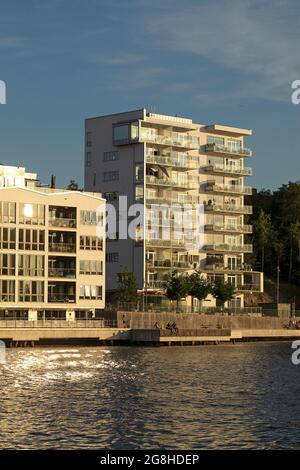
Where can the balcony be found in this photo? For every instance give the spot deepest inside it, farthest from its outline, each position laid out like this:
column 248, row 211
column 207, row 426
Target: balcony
column 67, row 273
column 217, row 149
column 191, row 183
column 169, row 139
column 225, row 247
column 228, row 228
column 62, row 222
column 228, row 208
column 160, row 243
column 185, row 199
column 60, row 247
column 64, row 298
column 186, row 163
column 227, row 170
column 212, row 267
column 248, row 288
column 169, row 264
column 213, row 187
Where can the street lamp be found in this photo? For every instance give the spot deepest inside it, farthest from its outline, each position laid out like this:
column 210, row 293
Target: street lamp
column 278, row 285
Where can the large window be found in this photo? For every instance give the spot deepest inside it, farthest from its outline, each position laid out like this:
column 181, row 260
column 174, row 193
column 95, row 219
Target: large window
column 33, row 240
column 31, row 291
column 88, row 139
column 121, row 132
column 91, row 267
column 90, row 243
column 7, row 291
column 7, row 264
column 110, row 176
column 110, row 156
column 111, row 196
column 7, row 212
column 88, row 159
column 91, row 217
column 112, row 257
column 31, row 265
column 212, row 139
column 7, row 238
column 90, row 292
column 32, row 214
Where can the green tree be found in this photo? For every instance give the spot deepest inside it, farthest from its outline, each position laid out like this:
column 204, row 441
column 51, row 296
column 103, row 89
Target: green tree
column 223, row 291
column 176, row 286
column 127, row 291
column 263, row 233
column 199, row 287
column 73, row 185
column 294, row 239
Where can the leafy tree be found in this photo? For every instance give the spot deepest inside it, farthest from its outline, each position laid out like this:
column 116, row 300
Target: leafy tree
column 73, row 185
column 263, row 233
column 199, row 287
column 127, row 287
column 294, row 234
column 176, row 286
column 223, row 291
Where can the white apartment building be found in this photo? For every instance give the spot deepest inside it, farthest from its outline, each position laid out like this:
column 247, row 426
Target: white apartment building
column 52, row 262
column 158, row 159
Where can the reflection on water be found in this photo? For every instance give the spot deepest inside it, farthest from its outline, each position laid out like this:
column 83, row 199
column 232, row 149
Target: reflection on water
column 241, row 396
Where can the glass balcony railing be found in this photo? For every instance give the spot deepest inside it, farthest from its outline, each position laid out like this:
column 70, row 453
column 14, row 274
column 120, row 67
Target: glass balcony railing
column 62, row 222
column 62, row 247
column 224, row 267
column 184, row 163
column 224, row 247
column 169, row 264
column 227, row 207
column 161, row 243
column 191, row 183
column 227, row 149
column 69, row 273
column 226, row 169
column 185, row 199
column 224, row 188
column 61, row 297
column 169, row 139
column 228, row 228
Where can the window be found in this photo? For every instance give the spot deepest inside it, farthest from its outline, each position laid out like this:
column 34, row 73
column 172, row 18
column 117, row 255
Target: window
column 90, row 292
column 88, row 159
column 121, row 132
column 111, row 196
column 7, row 291
column 88, row 139
column 33, row 240
column 90, row 243
column 139, row 172
column 7, row 212
column 112, row 257
column 7, row 264
column 139, row 192
column 91, row 267
column 110, row 156
column 111, row 176
column 7, row 238
column 31, row 291
column 211, row 139
column 31, row 265
column 32, row 214
column 91, row 217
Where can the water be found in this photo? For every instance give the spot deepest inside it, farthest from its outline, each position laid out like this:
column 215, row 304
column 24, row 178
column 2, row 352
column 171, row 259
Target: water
column 207, row 397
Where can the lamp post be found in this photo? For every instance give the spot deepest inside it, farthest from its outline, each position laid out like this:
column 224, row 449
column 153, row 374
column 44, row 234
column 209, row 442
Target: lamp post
column 278, row 285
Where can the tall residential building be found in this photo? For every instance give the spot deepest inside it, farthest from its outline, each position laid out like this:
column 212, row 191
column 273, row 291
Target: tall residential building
column 52, row 262
column 158, row 159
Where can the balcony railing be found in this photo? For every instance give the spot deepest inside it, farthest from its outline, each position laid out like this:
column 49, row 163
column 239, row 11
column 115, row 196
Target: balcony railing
column 224, row 267
column 159, row 243
column 69, row 273
column 62, row 222
column 228, row 149
column 224, row 188
column 232, row 208
column 169, row 264
column 245, row 171
column 228, row 228
column 169, row 140
column 187, row 199
column 187, row 162
column 191, row 183
column 61, row 298
column 228, row 247
column 248, row 287
column 62, row 247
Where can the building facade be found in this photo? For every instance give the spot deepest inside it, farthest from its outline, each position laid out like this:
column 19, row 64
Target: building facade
column 190, row 180
column 52, row 246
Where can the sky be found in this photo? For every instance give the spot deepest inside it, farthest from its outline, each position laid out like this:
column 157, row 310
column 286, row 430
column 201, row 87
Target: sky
column 216, row 61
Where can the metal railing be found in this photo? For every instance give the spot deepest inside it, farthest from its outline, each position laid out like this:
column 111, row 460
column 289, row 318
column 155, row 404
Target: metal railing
column 62, row 247
column 228, row 208
column 62, row 298
column 223, row 267
column 69, row 273
column 228, row 228
column 215, row 187
column 169, row 140
column 188, row 309
column 228, row 149
column 227, row 247
column 172, row 161
column 58, row 323
column 242, row 171
column 62, row 222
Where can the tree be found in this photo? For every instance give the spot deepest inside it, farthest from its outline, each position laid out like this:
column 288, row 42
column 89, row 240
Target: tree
column 176, row 286
column 263, row 232
column 223, row 291
column 73, row 185
column 127, row 287
column 199, row 287
column 294, row 235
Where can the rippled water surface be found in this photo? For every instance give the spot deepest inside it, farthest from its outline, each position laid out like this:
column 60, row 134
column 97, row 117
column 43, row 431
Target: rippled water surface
column 226, row 396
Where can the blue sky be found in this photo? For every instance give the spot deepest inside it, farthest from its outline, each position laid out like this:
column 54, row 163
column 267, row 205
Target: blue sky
column 223, row 61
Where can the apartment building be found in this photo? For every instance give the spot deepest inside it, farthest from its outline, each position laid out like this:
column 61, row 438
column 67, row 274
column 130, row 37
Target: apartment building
column 168, row 163
column 52, row 246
